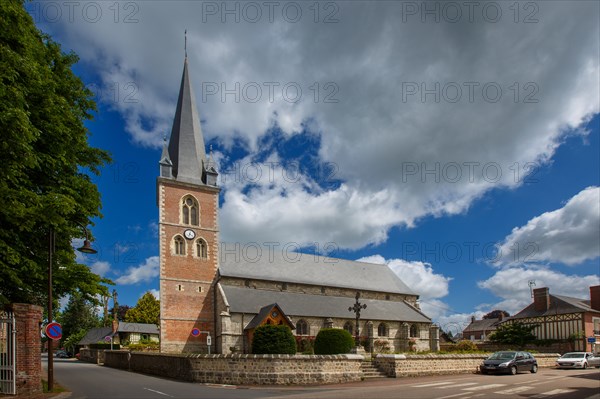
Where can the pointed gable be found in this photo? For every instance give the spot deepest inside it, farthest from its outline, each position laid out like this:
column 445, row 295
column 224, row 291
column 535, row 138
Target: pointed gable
column 186, row 144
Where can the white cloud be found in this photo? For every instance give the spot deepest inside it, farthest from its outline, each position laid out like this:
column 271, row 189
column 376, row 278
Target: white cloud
column 100, row 268
column 569, row 235
column 142, row 273
column 420, row 278
column 511, row 285
column 382, row 139
column 154, row 292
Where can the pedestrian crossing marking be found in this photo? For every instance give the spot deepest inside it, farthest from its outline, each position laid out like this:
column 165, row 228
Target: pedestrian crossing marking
column 553, row 392
column 433, row 384
column 488, row 386
column 464, row 384
column 514, row 390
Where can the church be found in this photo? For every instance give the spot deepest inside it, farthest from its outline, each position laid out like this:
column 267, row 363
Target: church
column 213, row 294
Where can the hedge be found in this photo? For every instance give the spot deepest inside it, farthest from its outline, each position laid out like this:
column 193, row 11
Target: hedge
column 270, row 340
column 333, row 341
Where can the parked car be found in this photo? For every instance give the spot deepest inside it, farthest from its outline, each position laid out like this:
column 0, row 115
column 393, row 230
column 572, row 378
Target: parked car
column 577, row 360
column 62, row 354
column 510, row 362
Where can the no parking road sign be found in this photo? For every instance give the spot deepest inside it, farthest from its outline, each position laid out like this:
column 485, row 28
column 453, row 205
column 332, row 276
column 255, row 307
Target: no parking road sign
column 54, row 331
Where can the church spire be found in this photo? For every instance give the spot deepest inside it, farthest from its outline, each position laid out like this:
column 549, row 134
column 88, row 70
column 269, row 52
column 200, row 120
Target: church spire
column 186, row 144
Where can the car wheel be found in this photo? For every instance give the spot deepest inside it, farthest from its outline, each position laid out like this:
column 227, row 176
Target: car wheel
column 485, row 372
column 534, row 369
column 584, row 365
column 513, row 370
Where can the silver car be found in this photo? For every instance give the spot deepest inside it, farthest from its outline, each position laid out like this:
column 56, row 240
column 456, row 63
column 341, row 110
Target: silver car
column 577, row 360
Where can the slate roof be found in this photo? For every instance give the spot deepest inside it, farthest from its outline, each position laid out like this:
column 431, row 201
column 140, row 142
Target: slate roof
column 186, row 144
column 97, row 334
column 482, row 325
column 558, row 305
column 262, row 314
column 292, row 267
column 249, row 300
column 142, row 328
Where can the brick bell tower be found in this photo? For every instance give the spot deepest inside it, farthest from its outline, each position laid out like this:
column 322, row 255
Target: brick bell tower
column 188, row 201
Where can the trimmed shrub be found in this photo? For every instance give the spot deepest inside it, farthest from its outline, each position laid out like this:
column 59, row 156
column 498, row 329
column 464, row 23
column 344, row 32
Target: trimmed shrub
column 333, row 341
column 270, row 340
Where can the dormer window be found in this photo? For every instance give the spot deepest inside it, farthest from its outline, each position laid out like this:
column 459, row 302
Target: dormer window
column 190, row 211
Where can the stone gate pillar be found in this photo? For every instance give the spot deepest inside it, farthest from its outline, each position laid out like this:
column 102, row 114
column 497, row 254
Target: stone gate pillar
column 434, row 338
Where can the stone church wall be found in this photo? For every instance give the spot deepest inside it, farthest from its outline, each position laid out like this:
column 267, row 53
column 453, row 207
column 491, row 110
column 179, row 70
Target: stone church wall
column 397, row 340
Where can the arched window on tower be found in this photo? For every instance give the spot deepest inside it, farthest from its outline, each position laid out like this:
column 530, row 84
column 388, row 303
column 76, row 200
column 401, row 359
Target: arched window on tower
column 178, row 245
column 348, row 326
column 382, row 330
column 201, row 248
column 414, row 331
column 190, row 211
column 301, row 327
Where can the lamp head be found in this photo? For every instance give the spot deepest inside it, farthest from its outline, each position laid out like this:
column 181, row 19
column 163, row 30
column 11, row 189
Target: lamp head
column 87, row 248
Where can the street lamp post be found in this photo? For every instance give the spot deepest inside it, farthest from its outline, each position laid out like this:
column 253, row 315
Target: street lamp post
column 86, row 249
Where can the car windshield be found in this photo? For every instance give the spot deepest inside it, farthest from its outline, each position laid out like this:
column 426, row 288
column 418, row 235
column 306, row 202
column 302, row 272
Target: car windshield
column 573, row 355
column 502, row 356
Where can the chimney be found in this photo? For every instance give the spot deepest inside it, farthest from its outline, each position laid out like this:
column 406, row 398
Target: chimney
column 115, row 326
column 595, row 297
column 501, row 316
column 472, row 319
column 541, row 299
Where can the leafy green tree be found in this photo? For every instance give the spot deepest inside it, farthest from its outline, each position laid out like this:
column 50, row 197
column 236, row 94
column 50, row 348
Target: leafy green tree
column 121, row 312
column 269, row 339
column 494, row 314
column 146, row 310
column 517, row 334
column 79, row 315
column 45, row 160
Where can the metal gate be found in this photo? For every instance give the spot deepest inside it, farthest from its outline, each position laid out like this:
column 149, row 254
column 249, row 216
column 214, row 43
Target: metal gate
column 8, row 361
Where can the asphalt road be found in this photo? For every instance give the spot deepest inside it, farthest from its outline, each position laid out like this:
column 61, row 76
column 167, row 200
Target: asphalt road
column 91, row 381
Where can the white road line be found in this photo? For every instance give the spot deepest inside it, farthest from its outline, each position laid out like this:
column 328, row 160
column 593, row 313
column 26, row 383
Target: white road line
column 433, row 384
column 482, row 387
column 158, row 392
column 553, row 392
column 455, row 395
column 514, row 390
column 464, row 384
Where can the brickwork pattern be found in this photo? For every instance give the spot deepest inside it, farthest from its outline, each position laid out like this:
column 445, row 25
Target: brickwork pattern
column 242, row 369
column 186, row 281
column 28, row 348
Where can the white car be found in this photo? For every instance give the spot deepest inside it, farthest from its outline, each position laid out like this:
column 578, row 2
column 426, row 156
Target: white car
column 577, row 360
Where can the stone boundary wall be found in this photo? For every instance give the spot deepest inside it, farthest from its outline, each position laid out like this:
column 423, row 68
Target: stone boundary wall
column 91, row 355
column 239, row 369
column 433, row 364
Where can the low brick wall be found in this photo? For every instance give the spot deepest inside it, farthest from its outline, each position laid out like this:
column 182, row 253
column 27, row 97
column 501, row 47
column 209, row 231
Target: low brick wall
column 432, row 364
column 241, row 369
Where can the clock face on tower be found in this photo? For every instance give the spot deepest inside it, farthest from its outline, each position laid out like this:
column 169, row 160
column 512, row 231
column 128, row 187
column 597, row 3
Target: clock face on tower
column 189, row 234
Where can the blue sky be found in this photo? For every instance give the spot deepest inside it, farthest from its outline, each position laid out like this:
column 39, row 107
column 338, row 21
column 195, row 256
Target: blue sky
column 460, row 149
